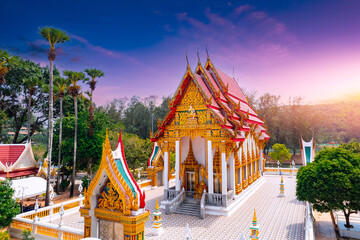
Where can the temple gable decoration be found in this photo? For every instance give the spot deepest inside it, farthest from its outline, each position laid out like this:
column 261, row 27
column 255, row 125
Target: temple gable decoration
column 114, row 198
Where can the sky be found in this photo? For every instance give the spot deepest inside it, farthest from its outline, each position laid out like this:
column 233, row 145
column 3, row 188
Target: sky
column 308, row 49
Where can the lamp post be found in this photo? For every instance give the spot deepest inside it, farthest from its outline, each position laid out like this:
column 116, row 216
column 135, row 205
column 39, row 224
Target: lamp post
column 278, row 163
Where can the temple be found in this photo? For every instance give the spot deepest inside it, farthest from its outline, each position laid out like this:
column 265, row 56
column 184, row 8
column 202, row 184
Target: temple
column 17, row 161
column 114, row 203
column 216, row 136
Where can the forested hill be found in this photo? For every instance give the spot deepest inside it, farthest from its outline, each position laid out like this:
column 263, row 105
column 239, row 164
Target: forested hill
column 341, row 121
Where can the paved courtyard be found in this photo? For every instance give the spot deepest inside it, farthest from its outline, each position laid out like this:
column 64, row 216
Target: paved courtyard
column 279, row 218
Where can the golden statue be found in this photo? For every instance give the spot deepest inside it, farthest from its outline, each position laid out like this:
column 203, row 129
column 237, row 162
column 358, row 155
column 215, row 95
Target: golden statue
column 192, row 112
column 203, row 173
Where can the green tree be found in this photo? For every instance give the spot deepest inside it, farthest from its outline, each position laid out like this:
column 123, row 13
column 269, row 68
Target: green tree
column 137, row 150
column 4, row 68
column 26, row 235
column 269, row 109
column 352, row 146
column 32, row 77
column 74, row 91
column 280, row 152
column 137, row 118
column 8, row 206
column 15, row 97
column 93, row 75
column 4, row 235
column 331, row 182
column 53, row 36
column 62, row 85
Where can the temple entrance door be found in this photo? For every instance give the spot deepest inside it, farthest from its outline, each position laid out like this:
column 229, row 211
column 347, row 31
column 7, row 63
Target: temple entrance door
column 160, row 178
column 110, row 230
column 190, row 181
column 217, row 184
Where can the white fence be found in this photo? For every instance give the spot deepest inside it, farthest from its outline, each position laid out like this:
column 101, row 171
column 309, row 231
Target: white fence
column 39, row 222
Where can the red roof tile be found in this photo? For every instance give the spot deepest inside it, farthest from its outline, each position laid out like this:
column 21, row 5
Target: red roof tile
column 234, row 88
column 9, row 154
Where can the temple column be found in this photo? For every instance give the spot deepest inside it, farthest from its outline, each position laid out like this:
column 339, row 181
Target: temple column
column 261, row 160
column 232, row 173
column 223, row 168
column 166, row 165
column 210, row 168
column 177, row 165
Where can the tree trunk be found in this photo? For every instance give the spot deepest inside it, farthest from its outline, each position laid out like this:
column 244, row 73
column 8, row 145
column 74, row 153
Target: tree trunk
column 28, row 115
column 91, row 132
column 50, row 132
column 60, row 140
column 75, row 145
column 333, row 219
column 347, row 217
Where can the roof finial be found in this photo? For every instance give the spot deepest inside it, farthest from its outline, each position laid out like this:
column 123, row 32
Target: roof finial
column 187, row 60
column 207, row 53
column 197, row 51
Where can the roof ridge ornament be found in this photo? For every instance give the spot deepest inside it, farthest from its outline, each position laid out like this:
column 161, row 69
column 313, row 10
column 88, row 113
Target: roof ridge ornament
column 187, row 61
column 207, row 53
column 197, row 52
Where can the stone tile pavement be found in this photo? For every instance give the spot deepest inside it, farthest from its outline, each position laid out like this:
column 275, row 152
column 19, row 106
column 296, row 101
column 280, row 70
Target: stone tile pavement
column 279, row 218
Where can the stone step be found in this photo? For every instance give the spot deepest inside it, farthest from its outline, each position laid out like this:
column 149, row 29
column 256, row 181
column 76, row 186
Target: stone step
column 188, row 212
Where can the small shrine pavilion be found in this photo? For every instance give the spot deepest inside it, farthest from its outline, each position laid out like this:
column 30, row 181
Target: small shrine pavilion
column 217, row 137
column 17, row 161
column 114, row 203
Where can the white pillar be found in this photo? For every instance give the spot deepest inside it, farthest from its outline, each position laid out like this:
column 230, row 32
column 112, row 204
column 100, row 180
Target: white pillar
column 223, row 169
column 261, row 159
column 166, row 169
column 177, row 165
column 232, row 173
column 210, row 168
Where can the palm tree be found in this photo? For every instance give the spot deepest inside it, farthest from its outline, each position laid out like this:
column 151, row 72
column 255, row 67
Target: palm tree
column 74, row 91
column 53, row 36
column 62, row 85
column 93, row 74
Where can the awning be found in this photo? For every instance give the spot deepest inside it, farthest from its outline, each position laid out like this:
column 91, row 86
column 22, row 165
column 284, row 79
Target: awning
column 29, row 187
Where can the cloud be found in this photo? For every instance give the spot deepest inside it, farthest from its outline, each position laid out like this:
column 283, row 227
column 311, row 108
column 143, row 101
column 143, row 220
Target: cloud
column 168, row 28
column 239, row 10
column 258, row 15
column 236, row 35
column 75, row 59
column 104, row 51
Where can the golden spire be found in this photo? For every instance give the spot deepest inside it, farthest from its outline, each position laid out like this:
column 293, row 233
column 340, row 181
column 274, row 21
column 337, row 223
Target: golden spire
column 254, row 219
column 157, row 205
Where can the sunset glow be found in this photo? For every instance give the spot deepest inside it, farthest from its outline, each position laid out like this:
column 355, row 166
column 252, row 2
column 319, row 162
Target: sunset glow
column 289, row 48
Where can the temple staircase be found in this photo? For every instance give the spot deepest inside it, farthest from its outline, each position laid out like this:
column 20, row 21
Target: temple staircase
column 190, row 206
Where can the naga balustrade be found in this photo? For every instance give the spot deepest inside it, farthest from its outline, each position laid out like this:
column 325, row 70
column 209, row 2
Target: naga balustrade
column 173, row 204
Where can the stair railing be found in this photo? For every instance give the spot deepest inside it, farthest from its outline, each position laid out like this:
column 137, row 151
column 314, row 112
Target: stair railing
column 173, row 204
column 202, row 205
